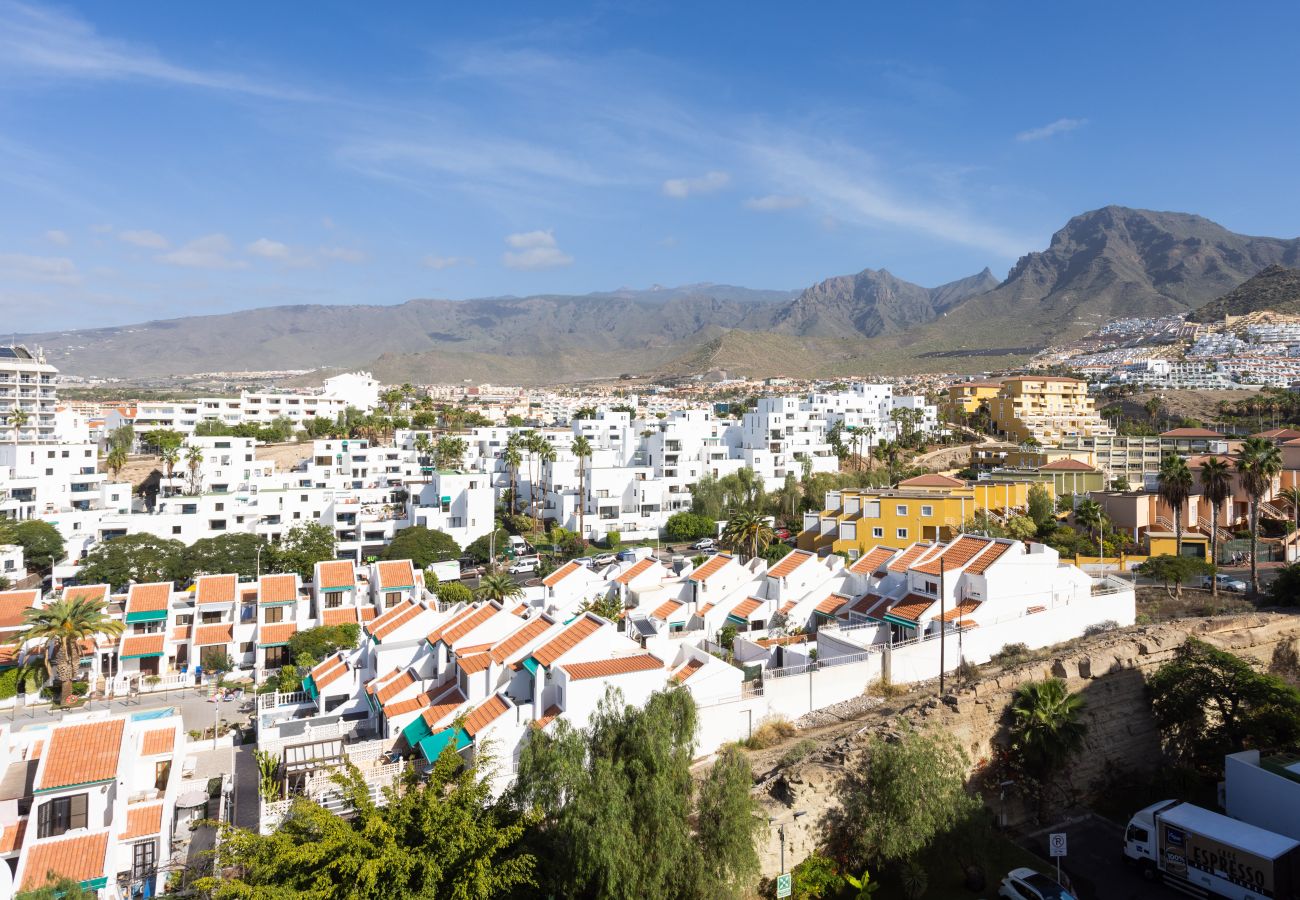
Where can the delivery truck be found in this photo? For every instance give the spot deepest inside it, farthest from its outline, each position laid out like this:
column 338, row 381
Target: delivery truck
column 1210, row 854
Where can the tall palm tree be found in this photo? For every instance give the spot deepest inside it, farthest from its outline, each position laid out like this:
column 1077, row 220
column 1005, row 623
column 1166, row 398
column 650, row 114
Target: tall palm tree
column 1216, row 488
column 1292, row 496
column 1174, row 485
column 1258, row 463
column 423, row 445
column 18, row 419
column 582, row 450
column 194, row 459
column 545, row 457
column 1046, row 724
column 451, row 452
column 497, row 586
column 63, row 625
column 115, row 461
column 514, row 459
column 1090, row 517
column 748, row 533
column 170, row 457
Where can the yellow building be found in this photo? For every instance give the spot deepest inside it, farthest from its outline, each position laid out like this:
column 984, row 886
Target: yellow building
column 1046, row 408
column 965, row 398
column 925, row 508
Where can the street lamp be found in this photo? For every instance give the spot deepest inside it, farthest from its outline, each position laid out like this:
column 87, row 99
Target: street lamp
column 780, row 831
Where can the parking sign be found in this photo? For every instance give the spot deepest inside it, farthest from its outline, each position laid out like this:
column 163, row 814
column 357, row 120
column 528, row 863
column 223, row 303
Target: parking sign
column 784, row 885
column 1057, row 844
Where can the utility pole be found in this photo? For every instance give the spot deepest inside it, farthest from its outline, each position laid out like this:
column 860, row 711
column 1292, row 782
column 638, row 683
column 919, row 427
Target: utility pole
column 942, row 624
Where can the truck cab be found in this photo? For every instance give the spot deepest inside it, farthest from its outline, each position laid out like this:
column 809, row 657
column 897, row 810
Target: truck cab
column 1140, row 838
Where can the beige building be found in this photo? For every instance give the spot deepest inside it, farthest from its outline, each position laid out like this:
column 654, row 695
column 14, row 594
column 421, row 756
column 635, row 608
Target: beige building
column 1046, row 408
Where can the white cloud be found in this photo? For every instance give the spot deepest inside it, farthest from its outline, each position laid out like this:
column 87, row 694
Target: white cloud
column 1051, row 129
column 269, row 249
column 345, row 254
column 150, row 240
column 51, row 269
column 775, row 203
column 207, row 252
column 56, row 236
column 439, row 263
column 534, row 250
column 704, row 184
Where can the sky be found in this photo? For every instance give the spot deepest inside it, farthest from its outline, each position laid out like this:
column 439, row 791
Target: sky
column 164, row 159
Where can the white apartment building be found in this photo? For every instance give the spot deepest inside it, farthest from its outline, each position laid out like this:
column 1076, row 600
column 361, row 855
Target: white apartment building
column 28, row 386
column 867, row 407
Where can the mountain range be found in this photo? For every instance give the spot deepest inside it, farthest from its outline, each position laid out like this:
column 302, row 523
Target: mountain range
column 1101, row 265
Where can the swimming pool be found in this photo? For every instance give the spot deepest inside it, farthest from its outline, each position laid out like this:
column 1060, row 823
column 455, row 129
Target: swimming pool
column 153, row 714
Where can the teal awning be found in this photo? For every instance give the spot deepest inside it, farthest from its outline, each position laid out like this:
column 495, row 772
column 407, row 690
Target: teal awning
column 531, row 665
column 149, row 615
column 309, row 685
column 432, row 746
column 140, row 655
column 900, row 622
column 416, row 731
column 737, row 619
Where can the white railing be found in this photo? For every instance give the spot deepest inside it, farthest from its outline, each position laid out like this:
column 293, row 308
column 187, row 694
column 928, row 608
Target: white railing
column 367, row 752
column 147, row 684
column 310, row 733
column 322, row 789
column 814, row 665
column 272, row 700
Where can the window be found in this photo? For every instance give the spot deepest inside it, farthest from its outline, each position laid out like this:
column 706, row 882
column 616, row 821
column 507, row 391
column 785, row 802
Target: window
column 246, row 647
column 176, row 529
column 219, row 507
column 1136, row 834
column 60, row 815
column 273, row 614
column 927, row 511
column 877, row 532
column 902, row 534
column 217, row 524
column 900, row 509
column 161, row 772
column 931, row 587
column 276, row 657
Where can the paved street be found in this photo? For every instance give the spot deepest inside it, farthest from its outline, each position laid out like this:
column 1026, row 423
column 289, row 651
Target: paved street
column 196, row 712
column 1095, row 861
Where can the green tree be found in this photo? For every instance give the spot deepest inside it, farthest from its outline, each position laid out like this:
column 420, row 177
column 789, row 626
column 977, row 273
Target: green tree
column 1216, row 488
column 582, row 450
column 1174, row 486
column 480, row 549
column 319, row 642
column 193, row 461
column 423, row 546
column 57, row 887
column 1046, row 726
column 133, row 557
column 607, row 606
column 1089, row 516
column 727, row 825
column 41, row 542
column 688, row 526
column 240, row 553
column 707, row 498
column 62, row 626
column 1208, row 702
column 451, row 452
column 908, row 792
column 1292, row 497
column 436, row 837
column 121, row 438
column 1284, row 590
column 747, row 533
column 1022, row 528
column 115, row 460
column 1258, row 463
column 498, row 586
column 302, row 547
column 454, row 592
column 1174, row 571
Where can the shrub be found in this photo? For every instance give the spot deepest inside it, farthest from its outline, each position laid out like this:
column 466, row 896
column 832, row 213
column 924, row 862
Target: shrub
column 1100, row 627
column 883, row 687
column 688, row 526
column 8, row 684
column 798, row 753
column 1011, row 654
column 770, row 732
column 80, row 688
column 453, row 592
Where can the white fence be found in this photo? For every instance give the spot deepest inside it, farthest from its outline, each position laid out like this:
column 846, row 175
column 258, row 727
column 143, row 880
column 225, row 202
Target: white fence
column 268, row 739
column 125, row 685
column 320, row 786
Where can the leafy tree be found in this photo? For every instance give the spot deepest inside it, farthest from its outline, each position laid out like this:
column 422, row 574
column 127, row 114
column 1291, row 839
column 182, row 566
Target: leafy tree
column 57, row 887
column 1208, row 702
column 121, row 438
column 1216, row 488
column 707, row 498
column 454, row 592
column 133, row 557
column 1285, row 588
column 451, row 452
column 1174, row 486
column 115, row 460
column 436, row 837
column 41, row 542
column 1046, row 729
column 158, row 442
column 61, row 626
column 1089, row 516
column 688, row 526
column 776, row 551
column 607, row 606
column 1174, row 570
column 480, row 549
column 497, row 586
column 302, row 547
column 584, row 412
column 816, row 878
column 193, row 460
column 748, row 533
column 423, row 546
column 1258, row 463
column 1022, row 528
column 241, row 553
column 624, row 782
column 909, row 791
column 319, row 642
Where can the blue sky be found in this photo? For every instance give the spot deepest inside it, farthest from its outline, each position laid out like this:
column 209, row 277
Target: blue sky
column 162, row 159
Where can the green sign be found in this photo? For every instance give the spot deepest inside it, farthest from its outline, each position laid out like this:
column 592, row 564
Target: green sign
column 784, row 885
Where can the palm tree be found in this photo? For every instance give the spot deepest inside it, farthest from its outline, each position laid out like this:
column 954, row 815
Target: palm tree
column 18, row 419
column 582, row 450
column 424, row 447
column 514, row 459
column 747, row 532
column 1216, row 488
column 1258, row 463
column 194, row 459
column 545, row 457
column 116, row 460
column 1090, row 517
column 1046, row 724
column 1292, row 496
column 497, row 586
column 63, row 625
column 451, row 452
column 170, row 457
column 1174, row 486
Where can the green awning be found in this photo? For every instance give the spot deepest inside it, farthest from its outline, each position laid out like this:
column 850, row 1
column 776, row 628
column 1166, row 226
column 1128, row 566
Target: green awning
column 140, row 655
column 737, row 619
column 894, row 620
column 416, row 731
column 309, row 685
column 531, row 665
column 149, row 615
column 432, row 746
column 275, row 644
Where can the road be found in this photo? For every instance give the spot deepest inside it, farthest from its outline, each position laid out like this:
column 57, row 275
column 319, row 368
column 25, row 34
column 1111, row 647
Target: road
column 1095, row 861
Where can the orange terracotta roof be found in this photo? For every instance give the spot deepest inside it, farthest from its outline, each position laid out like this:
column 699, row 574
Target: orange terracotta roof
column 339, row 615
column 1275, row 434
column 608, row 668
column 964, row 608
column 485, row 714
column 956, row 555
column 181, row 633
column 686, row 671
column 1192, row 433
column 787, row 606
column 745, row 608
column 396, row 574
column 788, row 563
column 987, row 558
column 368, row 614
column 209, row 635
column 474, row 663
column 667, row 608
column 1067, row 465
column 82, row 754
column 831, row 604
column 932, row 480
column 96, row 593
column 566, row 640
column 9, row 654
column 397, row 616
column 521, row 610
column 552, row 712
column 11, row 838
column 520, row 638
column 142, row 820
column 443, row 705
column 277, row 589
column 467, row 624
column 36, row 750
column 871, row 605
column 143, row 644
column 215, row 589
column 640, row 567
column 706, row 607
column 872, row 561
column 911, row 607
column 436, row 635
column 149, row 597
column 910, row 555
column 712, row 566
column 403, row 707
column 12, row 606
column 81, row 858
column 157, row 741
column 280, row 633
column 393, row 686
column 1035, row 609
column 560, row 574
column 335, row 574
column 328, row 672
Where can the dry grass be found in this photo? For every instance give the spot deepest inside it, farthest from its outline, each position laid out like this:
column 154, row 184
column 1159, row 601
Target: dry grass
column 882, row 687
column 770, row 732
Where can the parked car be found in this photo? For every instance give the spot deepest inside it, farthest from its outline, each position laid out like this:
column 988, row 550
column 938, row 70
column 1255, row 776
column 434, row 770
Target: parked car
column 472, row 571
column 781, row 533
column 1027, row 884
column 603, row 559
column 635, row 554
column 524, row 564
column 1226, row 583
column 585, row 561
column 704, row 544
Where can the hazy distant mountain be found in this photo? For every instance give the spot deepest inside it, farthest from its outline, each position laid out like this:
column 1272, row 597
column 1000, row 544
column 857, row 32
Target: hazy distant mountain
column 1276, row 289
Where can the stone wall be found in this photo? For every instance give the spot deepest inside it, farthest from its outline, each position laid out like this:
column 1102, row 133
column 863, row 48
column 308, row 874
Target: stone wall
column 1109, row 670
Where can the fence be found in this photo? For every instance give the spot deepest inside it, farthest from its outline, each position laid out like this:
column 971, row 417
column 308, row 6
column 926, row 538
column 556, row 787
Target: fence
column 123, row 685
column 272, row 700
column 268, row 740
column 321, row 787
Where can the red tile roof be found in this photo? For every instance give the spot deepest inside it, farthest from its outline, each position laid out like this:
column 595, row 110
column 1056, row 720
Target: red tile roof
column 339, row 615
column 81, row 858
column 520, row 638
column 964, row 608
column 831, row 604
column 1067, row 465
column 551, row 714
column 560, row 574
column 788, row 563
column 871, row 605
column 1191, row 433
column 690, row 667
column 473, row 663
column 82, row 754
column 328, row 672
column 987, row 558
column 12, row 606
column 954, row 556
column 367, row 614
column 96, row 593
column 11, row 838
column 712, row 566
column 393, row 619
column 215, row 589
column 745, row 608
column 403, row 707
column 280, row 633
column 443, row 705
column 143, row 644
column 872, row 561
column 485, row 714
column 636, row 570
column 910, row 555
column 567, row 639
column 609, row 668
column 466, row 624
column 157, row 741
column 277, row 589
column 209, row 635
column 179, row 634
column 394, row 685
column 911, row 607
column 666, row 609
column 142, row 820
column 336, row 573
column 932, row 480
column 396, row 574
column 149, row 597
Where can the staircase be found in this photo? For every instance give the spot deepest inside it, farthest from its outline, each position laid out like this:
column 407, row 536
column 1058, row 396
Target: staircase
column 1273, row 511
column 1164, row 523
column 1219, row 532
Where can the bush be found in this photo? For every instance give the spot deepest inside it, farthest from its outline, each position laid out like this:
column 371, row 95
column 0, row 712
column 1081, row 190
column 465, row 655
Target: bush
column 688, row 526
column 770, row 732
column 882, row 687
column 798, row 753
column 319, row 642
column 1100, row 627
column 422, row 546
column 8, row 684
column 613, row 538
column 80, row 688
column 453, row 592
column 1011, row 655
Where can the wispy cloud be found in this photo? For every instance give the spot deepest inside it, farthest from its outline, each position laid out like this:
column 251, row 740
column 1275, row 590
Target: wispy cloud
column 150, row 240
column 438, row 263
column 534, row 250
column 269, row 249
column 208, row 252
column 707, row 183
column 344, row 254
column 775, row 203
column 58, row 237
column 1051, row 129
column 49, row 269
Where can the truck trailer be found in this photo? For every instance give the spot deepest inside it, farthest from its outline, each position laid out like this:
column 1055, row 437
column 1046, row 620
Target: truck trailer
column 1211, row 854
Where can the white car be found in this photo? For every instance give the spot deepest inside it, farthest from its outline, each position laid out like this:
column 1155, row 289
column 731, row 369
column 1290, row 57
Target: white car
column 604, row 559
column 1026, row 884
column 704, row 544
column 524, row 564
column 1226, row 583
